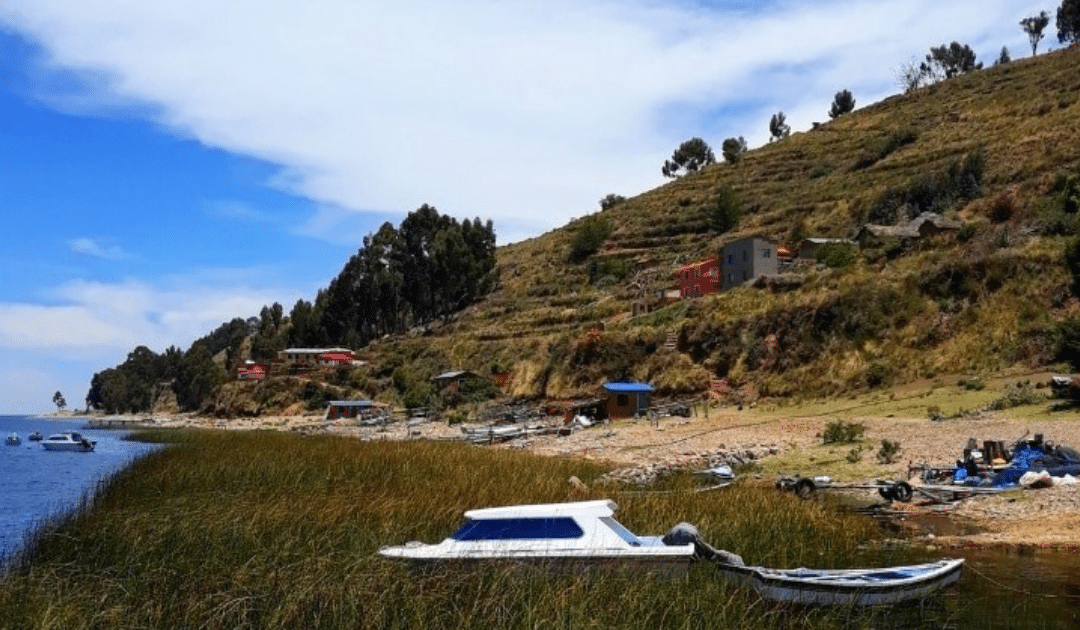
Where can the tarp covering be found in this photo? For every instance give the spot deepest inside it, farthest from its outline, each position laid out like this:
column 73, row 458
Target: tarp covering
column 1059, row 461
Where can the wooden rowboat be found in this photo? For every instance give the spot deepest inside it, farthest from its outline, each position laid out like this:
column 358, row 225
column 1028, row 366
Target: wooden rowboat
column 846, row 587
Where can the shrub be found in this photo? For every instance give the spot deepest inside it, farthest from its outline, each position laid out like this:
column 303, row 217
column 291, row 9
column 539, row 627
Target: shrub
column 973, row 384
column 934, row 413
column 840, row 432
column 878, row 374
column 854, row 456
column 890, row 143
column 966, row 232
column 1067, row 342
column 888, row 451
column 724, row 213
column 1002, row 208
column 1017, row 396
column 836, row 255
column 589, row 236
column 613, row 269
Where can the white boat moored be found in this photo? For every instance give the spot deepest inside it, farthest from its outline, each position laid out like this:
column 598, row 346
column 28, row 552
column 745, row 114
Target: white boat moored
column 582, row 532
column 13, row 439
column 68, row 441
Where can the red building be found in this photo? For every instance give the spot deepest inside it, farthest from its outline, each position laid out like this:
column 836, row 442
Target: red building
column 698, row 278
column 251, row 371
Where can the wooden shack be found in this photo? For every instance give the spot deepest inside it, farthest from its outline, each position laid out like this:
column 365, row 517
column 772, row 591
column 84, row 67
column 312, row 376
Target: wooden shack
column 626, row 399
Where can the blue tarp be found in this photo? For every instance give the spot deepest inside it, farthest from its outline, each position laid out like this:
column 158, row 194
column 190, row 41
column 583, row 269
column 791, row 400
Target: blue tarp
column 1060, row 462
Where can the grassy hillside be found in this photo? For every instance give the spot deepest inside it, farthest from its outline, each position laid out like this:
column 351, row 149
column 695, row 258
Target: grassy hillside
column 982, row 301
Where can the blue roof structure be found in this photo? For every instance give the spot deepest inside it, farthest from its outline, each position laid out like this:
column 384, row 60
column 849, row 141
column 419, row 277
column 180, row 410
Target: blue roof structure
column 628, row 388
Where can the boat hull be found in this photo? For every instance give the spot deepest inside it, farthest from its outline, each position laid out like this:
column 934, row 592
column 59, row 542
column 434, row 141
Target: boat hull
column 657, row 565
column 52, row 446
column 858, row 587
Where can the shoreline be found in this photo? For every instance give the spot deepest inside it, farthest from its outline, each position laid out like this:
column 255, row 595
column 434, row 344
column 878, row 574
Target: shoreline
column 639, row 450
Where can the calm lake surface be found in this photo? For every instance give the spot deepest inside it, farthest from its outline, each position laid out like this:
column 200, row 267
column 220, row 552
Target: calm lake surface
column 35, row 483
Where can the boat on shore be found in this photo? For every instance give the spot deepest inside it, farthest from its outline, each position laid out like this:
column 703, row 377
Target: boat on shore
column 68, row 441
column 13, row 439
column 845, row 587
column 580, row 533
column 834, row 587
column 585, row 532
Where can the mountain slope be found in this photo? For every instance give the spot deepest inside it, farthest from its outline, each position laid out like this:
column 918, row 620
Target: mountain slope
column 985, row 302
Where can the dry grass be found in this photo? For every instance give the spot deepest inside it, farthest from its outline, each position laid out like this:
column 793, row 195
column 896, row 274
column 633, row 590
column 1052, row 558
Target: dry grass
column 263, row 529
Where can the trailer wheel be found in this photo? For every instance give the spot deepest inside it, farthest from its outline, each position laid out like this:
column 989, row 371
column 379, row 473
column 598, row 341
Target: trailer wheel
column 902, row 491
column 887, row 492
column 805, row 488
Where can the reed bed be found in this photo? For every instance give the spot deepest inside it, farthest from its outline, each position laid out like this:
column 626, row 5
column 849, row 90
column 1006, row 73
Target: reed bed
column 264, row 529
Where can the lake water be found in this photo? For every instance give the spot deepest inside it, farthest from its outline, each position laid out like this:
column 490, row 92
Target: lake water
column 35, row 483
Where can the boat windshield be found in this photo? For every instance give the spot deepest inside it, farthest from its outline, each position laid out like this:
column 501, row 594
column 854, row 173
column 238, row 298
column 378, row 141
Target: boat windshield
column 623, row 533
column 519, row 529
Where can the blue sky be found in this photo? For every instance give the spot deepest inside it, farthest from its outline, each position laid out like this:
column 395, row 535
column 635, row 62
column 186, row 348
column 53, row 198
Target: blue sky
column 167, row 166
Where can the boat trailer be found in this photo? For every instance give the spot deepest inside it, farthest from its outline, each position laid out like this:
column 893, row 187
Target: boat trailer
column 805, row 487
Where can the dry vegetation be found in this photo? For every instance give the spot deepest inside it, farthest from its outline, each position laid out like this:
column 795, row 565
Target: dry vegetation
column 983, row 303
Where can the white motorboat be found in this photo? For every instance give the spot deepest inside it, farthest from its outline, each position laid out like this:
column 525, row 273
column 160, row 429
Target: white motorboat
column 68, row 441
column 582, row 532
column 13, row 439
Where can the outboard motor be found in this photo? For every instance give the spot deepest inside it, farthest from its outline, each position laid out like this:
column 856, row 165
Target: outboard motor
column 685, row 533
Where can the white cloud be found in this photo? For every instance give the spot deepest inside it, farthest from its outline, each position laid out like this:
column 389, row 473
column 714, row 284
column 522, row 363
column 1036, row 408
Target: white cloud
column 94, row 319
column 91, row 247
column 524, row 112
column 238, row 210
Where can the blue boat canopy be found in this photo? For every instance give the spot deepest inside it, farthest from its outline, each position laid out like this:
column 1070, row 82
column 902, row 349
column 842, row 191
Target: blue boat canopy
column 628, row 388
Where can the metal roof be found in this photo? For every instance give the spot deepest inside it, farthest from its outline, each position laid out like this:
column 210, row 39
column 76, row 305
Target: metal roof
column 352, row 403
column 628, row 388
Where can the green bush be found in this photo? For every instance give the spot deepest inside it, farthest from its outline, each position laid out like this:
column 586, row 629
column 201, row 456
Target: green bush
column 854, row 456
column 1017, row 396
column 724, row 213
column 888, row 451
column 840, row 432
column 836, row 255
column 878, row 374
column 611, row 269
column 1067, row 343
column 973, row 384
column 890, row 143
column 588, row 237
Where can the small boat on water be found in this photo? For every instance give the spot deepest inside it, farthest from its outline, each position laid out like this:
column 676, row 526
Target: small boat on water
column 585, row 532
column 68, row 441
column 13, row 439
column 36, row 436
column 578, row 533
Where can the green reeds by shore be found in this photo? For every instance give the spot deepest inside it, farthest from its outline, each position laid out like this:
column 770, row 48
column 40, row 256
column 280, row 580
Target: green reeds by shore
column 270, row 530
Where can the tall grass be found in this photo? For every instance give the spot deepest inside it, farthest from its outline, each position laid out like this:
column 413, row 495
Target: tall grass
column 259, row 530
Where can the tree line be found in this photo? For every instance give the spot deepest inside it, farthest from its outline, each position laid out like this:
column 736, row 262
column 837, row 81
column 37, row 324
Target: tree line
column 426, row 270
